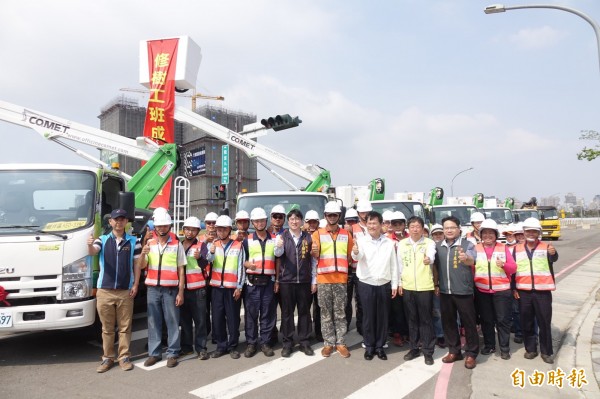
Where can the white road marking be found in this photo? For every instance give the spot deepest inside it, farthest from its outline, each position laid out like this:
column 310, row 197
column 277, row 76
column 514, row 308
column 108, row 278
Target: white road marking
column 412, row 374
column 258, row 376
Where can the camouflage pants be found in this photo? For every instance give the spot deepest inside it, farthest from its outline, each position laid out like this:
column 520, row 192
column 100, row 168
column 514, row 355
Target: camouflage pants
column 332, row 301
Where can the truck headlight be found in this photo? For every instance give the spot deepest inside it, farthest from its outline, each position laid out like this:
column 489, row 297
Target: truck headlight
column 76, row 290
column 77, row 280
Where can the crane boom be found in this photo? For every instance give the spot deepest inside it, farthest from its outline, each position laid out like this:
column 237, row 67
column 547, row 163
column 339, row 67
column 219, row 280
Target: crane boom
column 318, row 177
column 52, row 127
column 161, row 161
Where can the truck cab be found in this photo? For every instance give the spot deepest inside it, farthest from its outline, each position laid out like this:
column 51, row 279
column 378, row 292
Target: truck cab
column 550, row 222
column 302, row 200
column 502, row 216
column 51, row 210
column 462, row 212
column 408, row 208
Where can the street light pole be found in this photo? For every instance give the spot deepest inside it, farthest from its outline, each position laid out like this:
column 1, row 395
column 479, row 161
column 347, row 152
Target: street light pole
column 452, row 183
column 497, row 8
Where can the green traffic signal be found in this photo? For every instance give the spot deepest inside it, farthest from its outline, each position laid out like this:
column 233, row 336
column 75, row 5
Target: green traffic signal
column 281, row 122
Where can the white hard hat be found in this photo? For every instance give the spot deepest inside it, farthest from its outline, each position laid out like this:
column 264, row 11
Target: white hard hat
column 436, row 227
column 490, row 224
column 532, row 224
column 322, row 223
column 397, row 215
column 477, row 217
column 363, row 206
column 223, row 221
column 242, row 215
column 162, row 219
column 351, row 214
column 278, row 209
column 257, row 214
column 332, row 207
column 518, row 228
column 158, row 211
column 211, row 217
column 192, row 221
column 387, row 216
column 311, row 215
column 510, row 228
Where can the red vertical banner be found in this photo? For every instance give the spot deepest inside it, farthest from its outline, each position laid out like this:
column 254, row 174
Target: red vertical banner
column 159, row 124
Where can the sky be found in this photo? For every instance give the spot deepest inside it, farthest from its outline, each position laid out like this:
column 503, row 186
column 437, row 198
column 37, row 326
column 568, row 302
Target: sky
column 411, row 91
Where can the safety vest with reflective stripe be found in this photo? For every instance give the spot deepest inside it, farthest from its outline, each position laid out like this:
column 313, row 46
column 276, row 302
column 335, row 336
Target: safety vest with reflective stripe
column 488, row 276
column 471, row 237
column 194, row 276
column 162, row 265
column 264, row 260
column 225, row 265
column 416, row 276
column 334, row 253
column 534, row 274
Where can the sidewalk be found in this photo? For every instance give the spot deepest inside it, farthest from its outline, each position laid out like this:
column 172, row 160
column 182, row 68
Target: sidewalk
column 576, row 337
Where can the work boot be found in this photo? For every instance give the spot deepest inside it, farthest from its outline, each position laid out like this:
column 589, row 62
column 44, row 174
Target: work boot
column 125, row 364
column 151, row 361
column 105, row 365
column 530, row 355
column 412, row 354
column 267, row 350
column 286, row 352
column 172, row 362
column 250, row 350
column 327, row 351
column 343, row 350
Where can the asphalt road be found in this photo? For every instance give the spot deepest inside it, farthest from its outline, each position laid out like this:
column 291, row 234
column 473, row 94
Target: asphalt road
column 61, row 364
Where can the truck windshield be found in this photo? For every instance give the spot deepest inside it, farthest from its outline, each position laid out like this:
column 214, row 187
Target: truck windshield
column 548, row 214
column 525, row 214
column 500, row 216
column 408, row 208
column 289, row 201
column 463, row 213
column 49, row 200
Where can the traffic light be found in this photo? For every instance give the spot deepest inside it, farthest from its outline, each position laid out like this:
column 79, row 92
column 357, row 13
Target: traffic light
column 222, row 191
column 281, row 122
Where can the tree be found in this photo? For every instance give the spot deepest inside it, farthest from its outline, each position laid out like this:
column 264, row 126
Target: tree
column 589, row 153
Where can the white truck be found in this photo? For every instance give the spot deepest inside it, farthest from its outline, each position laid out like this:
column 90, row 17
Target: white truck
column 48, row 211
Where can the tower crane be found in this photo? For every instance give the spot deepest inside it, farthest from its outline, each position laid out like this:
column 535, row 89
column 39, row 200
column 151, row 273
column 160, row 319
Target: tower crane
column 193, row 96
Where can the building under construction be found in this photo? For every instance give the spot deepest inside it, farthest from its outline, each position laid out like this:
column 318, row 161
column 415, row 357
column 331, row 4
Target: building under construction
column 200, row 153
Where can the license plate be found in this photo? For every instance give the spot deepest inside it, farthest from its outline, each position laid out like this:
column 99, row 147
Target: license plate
column 6, row 319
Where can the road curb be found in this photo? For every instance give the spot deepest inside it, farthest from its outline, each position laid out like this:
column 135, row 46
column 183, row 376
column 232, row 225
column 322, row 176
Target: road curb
column 575, row 349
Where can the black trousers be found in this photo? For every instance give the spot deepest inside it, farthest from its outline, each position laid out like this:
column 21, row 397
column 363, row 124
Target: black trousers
column 536, row 305
column 495, row 313
column 398, row 322
column 465, row 306
column 316, row 314
column 226, row 318
column 419, row 308
column 295, row 295
column 353, row 294
column 375, row 300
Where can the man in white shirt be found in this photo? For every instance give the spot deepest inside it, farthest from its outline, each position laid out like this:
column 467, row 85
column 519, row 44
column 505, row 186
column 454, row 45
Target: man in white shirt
column 377, row 271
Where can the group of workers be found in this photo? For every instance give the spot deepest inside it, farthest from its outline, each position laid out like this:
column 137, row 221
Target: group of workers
column 404, row 285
